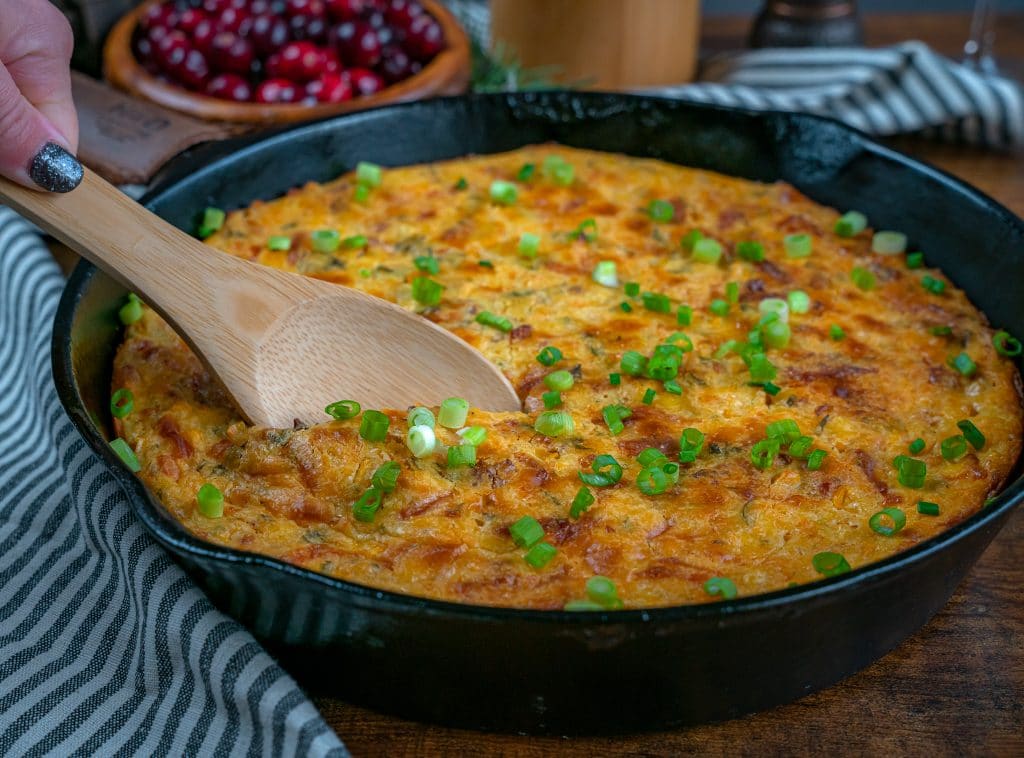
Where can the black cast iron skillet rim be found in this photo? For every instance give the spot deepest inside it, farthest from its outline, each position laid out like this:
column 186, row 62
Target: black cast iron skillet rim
column 173, row 535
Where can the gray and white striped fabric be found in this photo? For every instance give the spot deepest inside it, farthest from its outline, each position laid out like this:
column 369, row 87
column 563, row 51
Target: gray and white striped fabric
column 106, row 646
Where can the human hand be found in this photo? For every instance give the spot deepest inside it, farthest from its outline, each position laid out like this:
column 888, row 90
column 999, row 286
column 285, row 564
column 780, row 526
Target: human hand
column 38, row 123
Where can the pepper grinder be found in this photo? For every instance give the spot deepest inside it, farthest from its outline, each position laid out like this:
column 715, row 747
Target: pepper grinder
column 807, row 23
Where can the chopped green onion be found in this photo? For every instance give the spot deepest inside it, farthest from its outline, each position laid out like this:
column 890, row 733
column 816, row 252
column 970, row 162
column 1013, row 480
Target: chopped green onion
column 685, row 343
column 626, row 307
column 648, row 397
column 888, row 521
column 889, row 243
column 557, row 170
column 343, row 409
column 461, row 184
column 473, row 435
column 776, row 334
column 356, row 240
column 761, row 369
column 540, row 555
column 504, row 193
column 915, row 260
column 213, row 219
column 121, row 403
column 940, row 331
column 661, row 211
column 1006, row 344
column 125, row 453
column 279, row 242
column 368, row 174
column 707, row 250
column 614, row 415
column 606, row 472
column 751, row 251
column 775, row 305
column 972, row 434
column 720, row 585
column 763, row 453
column 552, row 399
column 605, row 274
column 131, row 311
column 836, row 332
column 420, row 416
column 365, row 508
column 633, row 363
column 325, row 240
column 486, row 318
column 797, row 245
column 850, row 224
column 582, row 605
column 785, row 429
column 801, row 446
column 691, row 442
column 210, row 501
column 526, row 172
column 656, row 302
column 691, row 238
column 362, row 193
column 863, row 278
column 452, row 413
column 953, row 447
column 917, row 446
column 799, row 301
column 673, row 386
column 427, row 263
column 426, row 291
column 649, row 456
column 964, row 364
column 549, row 356
column 911, row 472
column 529, row 244
column 719, row 307
column 732, row 292
column 421, row 440
column 485, row 264
column 583, row 500
column 615, row 379
column 560, row 380
column 632, row 289
column 684, row 315
column 386, row 476
column 815, row 459
column 587, row 230
column 652, row 481
column 374, row 426
column 461, row 455
column 830, row 564
column 526, row 532
column 602, row 591
column 927, row 509
column 933, row 285
column 554, row 424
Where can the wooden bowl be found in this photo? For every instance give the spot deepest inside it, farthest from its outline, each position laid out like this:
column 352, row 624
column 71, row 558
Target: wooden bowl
column 447, row 74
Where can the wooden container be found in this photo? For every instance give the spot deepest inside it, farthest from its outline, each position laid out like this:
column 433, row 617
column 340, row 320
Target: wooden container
column 605, row 44
column 447, row 74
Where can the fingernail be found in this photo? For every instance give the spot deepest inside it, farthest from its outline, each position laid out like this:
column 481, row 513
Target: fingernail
column 55, row 169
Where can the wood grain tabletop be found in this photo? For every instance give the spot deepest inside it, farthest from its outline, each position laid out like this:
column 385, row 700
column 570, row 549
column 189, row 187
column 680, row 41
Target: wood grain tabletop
column 956, row 687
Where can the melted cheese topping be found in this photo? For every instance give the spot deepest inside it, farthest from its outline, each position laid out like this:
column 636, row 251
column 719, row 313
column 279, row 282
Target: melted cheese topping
column 444, row 533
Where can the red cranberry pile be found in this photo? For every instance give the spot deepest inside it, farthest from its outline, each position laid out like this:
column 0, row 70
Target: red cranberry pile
column 286, row 51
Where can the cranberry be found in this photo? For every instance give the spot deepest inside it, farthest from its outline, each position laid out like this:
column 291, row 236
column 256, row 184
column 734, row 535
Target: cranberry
column 171, row 50
column 259, row 7
column 229, row 87
column 194, row 71
column 332, row 63
column 400, row 13
column 365, row 82
column 158, row 15
column 216, row 7
column 375, row 19
column 298, row 61
column 268, row 34
column 189, row 20
column 311, row 8
column 229, row 52
column 386, row 36
column 345, row 10
column 156, row 33
column 277, row 91
column 313, row 28
column 395, row 65
column 329, row 88
column 360, row 46
column 203, row 36
column 237, row 20
column 424, row 39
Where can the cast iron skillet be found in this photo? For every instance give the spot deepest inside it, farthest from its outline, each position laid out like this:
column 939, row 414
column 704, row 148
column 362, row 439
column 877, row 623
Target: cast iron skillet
column 557, row 671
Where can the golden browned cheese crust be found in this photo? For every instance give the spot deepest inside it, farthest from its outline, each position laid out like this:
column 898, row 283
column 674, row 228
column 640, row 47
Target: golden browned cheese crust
column 444, row 533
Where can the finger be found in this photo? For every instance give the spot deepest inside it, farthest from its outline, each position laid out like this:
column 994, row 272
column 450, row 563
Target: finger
column 33, row 152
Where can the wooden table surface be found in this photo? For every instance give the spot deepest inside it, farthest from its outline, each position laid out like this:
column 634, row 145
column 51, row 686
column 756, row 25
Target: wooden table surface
column 955, row 687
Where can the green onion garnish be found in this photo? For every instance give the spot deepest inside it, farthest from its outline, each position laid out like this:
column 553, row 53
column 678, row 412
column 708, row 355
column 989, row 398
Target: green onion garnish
column 771, row 388
column 707, row 250
column 719, row 307
column 213, row 219
column 915, row 260
column 632, row 363
column 473, row 435
column 419, row 416
column 972, row 434
column 461, row 184
column 605, row 274
column 557, row 170
column 940, row 331
column 917, row 446
column 279, row 242
column 797, row 245
column 365, row 508
column 602, row 591
column 374, row 426
column 131, row 311
column 761, row 369
column 587, row 230
column 863, row 278
column 910, row 471
column 549, row 356
column 648, row 397
column 830, row 564
column 953, row 447
column 888, row 521
column 615, row 379
column 368, row 174
column 552, row 399
column 889, row 243
column 344, row 409
column 210, row 501
column 933, row 285
column 751, row 251
column 799, row 301
column 121, row 403
column 540, row 554
column 427, row 263
column 732, row 292
column 386, row 476
column 583, row 500
column 801, row 446
column 656, row 302
column 426, row 291
column 529, row 244
column 614, row 415
column 632, row 289
column 526, row 532
column 356, row 240
column 927, row 509
column 125, row 453
column 486, row 318
column 964, row 364
column 775, row 305
column 851, row 224
column 674, row 387
column 554, row 424
column 661, row 211
column 836, row 332
column 691, row 442
column 763, row 453
column 421, row 440
column 1006, row 344
column 815, row 459
column 485, row 264
column 362, row 193
column 526, row 172
column 453, row 412
column 690, row 239
column 325, row 240
column 504, row 193
column 606, row 472
column 461, row 455
column 720, row 585
column 776, row 334
column 626, row 307
column 649, row 456
column 560, row 380
column 785, row 429
column 684, row 315
column 652, row 481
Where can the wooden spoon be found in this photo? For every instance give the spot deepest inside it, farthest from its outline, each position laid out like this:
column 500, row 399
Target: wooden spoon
column 282, row 345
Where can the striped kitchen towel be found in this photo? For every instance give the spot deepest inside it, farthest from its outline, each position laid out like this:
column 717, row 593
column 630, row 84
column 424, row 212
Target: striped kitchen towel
column 106, row 646
column 904, row 89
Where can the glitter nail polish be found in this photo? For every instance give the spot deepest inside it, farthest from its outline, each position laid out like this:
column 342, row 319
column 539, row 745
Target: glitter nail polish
column 55, row 169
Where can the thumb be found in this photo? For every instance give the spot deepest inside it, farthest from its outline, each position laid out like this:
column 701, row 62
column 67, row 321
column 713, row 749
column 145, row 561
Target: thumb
column 32, row 151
